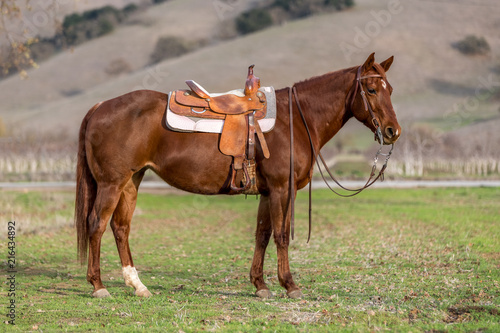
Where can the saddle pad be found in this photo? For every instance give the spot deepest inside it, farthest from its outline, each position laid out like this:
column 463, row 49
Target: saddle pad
column 192, row 124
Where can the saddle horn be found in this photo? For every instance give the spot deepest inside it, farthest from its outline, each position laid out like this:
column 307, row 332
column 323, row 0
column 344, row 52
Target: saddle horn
column 253, row 82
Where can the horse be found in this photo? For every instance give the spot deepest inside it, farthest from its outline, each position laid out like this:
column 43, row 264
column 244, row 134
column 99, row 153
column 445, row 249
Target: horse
column 121, row 138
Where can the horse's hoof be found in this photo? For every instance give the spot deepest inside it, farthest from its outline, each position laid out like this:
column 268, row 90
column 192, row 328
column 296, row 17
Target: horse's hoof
column 264, row 293
column 101, row 293
column 143, row 293
column 295, row 294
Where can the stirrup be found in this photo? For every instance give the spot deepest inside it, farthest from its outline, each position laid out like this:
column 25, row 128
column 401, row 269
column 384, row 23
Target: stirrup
column 233, row 178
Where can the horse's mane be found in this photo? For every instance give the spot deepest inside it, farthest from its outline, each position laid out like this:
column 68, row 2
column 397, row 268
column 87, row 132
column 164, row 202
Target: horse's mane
column 316, row 82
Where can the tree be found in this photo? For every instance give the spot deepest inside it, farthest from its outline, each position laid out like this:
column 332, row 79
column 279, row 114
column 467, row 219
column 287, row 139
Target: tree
column 18, row 33
column 21, row 24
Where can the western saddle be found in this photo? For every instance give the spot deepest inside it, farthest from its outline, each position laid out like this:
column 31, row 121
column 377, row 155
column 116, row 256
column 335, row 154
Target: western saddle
column 240, row 111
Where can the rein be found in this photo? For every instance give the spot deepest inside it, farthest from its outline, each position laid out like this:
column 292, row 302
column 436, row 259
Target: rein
column 371, row 180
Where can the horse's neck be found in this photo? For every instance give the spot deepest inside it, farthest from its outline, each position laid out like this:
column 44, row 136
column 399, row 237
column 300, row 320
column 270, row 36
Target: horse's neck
column 323, row 102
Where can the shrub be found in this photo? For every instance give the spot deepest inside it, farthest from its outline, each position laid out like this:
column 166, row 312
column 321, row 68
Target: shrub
column 170, row 47
column 78, row 28
column 72, row 20
column 105, row 27
column 339, row 4
column 95, row 14
column 302, row 8
column 118, row 66
column 472, row 45
column 253, row 20
column 279, row 10
column 42, row 50
column 71, row 92
column 128, row 9
column 289, row 4
column 297, row 8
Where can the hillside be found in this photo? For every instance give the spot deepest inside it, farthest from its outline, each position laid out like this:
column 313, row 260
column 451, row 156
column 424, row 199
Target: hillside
column 78, row 69
column 432, row 80
column 40, row 15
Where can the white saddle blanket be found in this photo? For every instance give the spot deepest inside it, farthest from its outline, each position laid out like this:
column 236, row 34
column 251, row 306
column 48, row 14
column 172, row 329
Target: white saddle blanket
column 179, row 123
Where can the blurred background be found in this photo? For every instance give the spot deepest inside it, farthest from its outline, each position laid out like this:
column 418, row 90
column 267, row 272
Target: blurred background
column 60, row 57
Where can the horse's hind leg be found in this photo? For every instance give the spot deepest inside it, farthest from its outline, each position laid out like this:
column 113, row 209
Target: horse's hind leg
column 105, row 203
column 262, row 235
column 120, row 224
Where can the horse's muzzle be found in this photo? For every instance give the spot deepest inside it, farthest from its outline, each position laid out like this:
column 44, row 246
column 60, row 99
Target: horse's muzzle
column 391, row 134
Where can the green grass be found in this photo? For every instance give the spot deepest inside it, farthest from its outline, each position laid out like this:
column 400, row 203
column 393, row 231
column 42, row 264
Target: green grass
column 387, row 260
column 37, row 211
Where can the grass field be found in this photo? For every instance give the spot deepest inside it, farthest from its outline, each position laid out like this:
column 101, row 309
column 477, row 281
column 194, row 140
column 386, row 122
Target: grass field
column 387, row 260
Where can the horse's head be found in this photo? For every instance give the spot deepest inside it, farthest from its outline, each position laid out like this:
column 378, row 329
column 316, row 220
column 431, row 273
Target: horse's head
column 370, row 99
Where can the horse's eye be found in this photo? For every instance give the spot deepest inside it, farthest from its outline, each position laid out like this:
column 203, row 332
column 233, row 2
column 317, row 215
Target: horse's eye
column 372, row 91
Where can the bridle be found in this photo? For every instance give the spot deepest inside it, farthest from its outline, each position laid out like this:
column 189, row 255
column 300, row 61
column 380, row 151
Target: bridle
column 378, row 135
column 368, row 108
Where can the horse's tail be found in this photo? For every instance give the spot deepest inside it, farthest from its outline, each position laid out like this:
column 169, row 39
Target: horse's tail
column 86, row 191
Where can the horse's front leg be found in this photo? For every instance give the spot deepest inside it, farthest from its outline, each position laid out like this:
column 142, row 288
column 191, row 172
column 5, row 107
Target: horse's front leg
column 262, row 235
column 279, row 208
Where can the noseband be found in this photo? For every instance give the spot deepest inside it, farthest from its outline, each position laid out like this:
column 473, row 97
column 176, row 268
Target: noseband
column 378, row 132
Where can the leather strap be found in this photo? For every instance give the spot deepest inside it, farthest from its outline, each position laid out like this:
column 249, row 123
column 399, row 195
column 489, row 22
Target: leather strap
column 262, row 140
column 313, row 157
column 366, row 104
column 292, row 169
column 251, row 137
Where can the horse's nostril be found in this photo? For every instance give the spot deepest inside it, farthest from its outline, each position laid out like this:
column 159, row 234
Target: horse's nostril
column 389, row 131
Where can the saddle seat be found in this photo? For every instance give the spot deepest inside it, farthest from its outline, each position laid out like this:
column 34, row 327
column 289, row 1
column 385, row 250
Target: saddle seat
column 240, row 111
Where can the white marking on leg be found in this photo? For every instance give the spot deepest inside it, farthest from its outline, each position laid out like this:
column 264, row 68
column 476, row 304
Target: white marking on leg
column 132, row 278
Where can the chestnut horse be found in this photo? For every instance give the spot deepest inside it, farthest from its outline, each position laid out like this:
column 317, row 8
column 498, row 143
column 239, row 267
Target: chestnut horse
column 123, row 137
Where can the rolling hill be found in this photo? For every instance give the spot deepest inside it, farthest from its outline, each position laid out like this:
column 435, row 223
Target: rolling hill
column 434, row 83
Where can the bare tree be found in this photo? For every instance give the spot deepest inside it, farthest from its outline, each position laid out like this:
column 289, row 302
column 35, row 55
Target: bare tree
column 18, row 31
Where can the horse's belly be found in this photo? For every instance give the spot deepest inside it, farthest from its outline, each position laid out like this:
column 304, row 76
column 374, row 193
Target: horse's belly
column 198, row 169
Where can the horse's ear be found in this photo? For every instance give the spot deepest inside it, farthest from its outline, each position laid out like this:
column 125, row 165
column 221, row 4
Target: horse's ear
column 387, row 64
column 369, row 62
